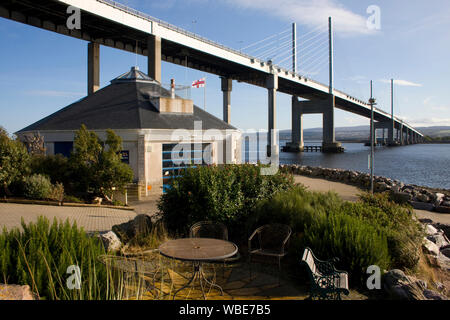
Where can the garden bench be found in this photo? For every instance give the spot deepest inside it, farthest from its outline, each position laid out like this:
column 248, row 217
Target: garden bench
column 327, row 283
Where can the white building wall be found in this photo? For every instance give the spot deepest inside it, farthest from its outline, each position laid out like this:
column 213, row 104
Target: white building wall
column 145, row 149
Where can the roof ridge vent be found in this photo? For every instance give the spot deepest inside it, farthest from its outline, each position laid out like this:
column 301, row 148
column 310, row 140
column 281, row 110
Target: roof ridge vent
column 134, row 75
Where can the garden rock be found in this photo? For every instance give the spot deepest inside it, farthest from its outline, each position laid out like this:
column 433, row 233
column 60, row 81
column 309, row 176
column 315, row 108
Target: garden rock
column 430, row 247
column 446, row 252
column 422, row 205
column 401, row 197
column 141, row 225
column 443, row 209
column 423, row 198
column 439, row 239
column 111, row 241
column 430, row 230
column 433, row 295
column 444, row 227
column 402, row 287
column 16, row 292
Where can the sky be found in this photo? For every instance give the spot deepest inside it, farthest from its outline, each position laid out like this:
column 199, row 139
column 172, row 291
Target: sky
column 42, row 72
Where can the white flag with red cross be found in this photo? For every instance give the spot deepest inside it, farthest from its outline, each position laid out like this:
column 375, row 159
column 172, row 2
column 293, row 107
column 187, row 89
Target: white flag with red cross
column 199, row 83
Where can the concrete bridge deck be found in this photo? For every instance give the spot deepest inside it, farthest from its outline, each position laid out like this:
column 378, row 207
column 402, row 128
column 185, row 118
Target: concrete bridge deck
column 108, row 23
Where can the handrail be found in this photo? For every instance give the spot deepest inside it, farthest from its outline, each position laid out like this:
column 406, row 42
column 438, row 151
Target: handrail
column 172, row 27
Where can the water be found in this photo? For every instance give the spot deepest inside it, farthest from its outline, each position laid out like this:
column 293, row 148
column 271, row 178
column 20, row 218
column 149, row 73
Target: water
column 420, row 164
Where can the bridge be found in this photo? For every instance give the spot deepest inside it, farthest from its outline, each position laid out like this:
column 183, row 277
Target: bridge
column 108, row 23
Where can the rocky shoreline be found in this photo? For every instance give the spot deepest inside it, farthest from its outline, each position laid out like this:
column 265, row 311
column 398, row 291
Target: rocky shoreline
column 422, row 198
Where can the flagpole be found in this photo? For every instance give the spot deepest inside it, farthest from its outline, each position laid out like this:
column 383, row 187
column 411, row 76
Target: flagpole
column 204, row 96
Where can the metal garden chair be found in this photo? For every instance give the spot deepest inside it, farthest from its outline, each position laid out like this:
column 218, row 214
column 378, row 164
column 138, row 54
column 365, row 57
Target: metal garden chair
column 272, row 241
column 215, row 230
column 143, row 268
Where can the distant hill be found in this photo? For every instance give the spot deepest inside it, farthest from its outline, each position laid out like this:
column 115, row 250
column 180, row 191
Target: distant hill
column 359, row 133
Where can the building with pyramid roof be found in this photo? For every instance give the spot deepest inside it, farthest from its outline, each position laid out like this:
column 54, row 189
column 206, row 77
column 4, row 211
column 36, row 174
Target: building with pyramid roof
column 162, row 133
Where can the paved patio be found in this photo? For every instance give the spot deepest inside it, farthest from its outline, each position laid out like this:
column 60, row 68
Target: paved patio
column 236, row 284
column 92, row 219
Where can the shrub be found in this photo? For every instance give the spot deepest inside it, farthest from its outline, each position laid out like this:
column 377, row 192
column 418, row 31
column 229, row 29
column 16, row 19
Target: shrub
column 404, row 234
column 96, row 164
column 357, row 243
column 56, row 167
column 37, row 186
column 40, row 255
column 57, row 192
column 14, row 160
column 224, row 194
column 373, row 231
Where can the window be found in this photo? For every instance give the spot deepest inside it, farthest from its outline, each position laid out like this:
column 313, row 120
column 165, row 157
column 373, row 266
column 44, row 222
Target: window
column 64, row 148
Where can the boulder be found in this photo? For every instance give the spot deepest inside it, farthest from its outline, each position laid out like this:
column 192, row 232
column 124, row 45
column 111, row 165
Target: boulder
column 421, row 197
column 16, row 292
column 444, row 227
column 422, row 205
column 438, row 198
column 381, row 187
column 141, row 225
column 401, row 197
column 403, row 287
column 111, row 241
column 446, row 252
column 442, row 208
column 433, row 295
column 439, row 239
column 430, row 230
column 97, row 200
column 430, row 247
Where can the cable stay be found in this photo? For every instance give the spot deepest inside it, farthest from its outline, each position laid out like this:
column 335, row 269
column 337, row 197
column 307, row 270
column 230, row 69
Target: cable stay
column 270, row 37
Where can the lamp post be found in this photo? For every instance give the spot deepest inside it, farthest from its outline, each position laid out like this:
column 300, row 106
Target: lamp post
column 372, row 102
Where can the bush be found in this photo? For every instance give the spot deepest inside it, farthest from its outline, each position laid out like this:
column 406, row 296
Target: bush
column 56, row 167
column 373, row 231
column 40, row 255
column 14, row 161
column 37, row 186
column 226, row 194
column 404, row 234
column 96, row 164
column 57, row 192
column 357, row 243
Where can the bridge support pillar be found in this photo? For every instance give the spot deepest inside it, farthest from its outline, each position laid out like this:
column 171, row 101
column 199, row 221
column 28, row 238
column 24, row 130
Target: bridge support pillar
column 391, row 140
column 93, row 67
column 402, row 135
column 272, row 139
column 154, row 57
column 329, row 143
column 226, row 89
column 324, row 107
column 296, row 144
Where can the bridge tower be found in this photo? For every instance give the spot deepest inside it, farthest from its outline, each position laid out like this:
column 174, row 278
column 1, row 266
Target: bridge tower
column 325, row 107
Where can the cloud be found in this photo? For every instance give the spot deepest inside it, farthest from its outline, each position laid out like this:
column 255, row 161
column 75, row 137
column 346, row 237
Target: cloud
column 311, row 14
column 402, row 83
column 428, row 103
column 425, row 122
column 359, row 79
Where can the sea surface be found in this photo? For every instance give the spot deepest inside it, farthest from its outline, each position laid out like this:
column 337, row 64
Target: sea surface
column 419, row 164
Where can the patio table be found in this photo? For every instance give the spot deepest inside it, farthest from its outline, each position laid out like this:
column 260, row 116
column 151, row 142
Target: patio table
column 198, row 251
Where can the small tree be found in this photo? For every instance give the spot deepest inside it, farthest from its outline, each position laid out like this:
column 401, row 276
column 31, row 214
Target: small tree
column 14, row 160
column 35, row 144
column 97, row 163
